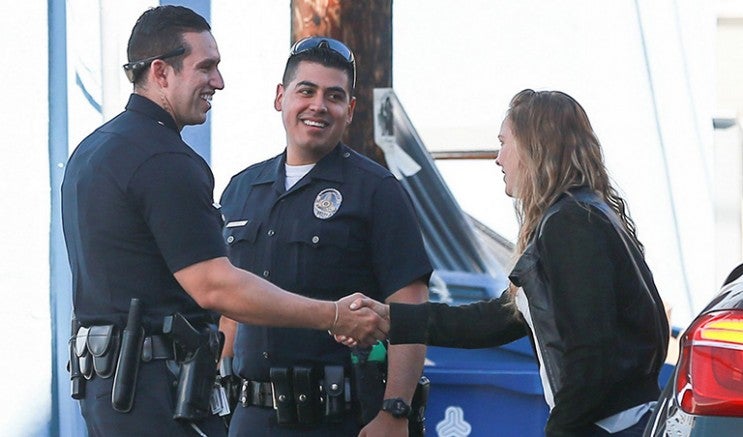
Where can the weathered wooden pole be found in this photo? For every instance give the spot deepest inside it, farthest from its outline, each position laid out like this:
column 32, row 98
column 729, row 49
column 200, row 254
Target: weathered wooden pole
column 366, row 27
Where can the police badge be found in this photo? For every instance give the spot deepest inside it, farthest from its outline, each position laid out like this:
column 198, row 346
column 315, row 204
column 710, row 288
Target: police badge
column 327, row 203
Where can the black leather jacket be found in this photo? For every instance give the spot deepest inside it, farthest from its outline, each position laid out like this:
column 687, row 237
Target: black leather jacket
column 600, row 358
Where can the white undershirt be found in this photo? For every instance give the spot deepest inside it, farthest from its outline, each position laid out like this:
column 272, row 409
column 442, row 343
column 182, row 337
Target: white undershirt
column 294, row 173
column 523, row 305
column 624, row 419
column 615, row 423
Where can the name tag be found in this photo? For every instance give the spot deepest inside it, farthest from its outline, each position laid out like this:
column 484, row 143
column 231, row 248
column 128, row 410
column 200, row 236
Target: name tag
column 236, row 224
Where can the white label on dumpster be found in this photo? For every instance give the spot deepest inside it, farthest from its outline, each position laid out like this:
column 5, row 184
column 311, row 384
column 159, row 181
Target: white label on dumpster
column 453, row 424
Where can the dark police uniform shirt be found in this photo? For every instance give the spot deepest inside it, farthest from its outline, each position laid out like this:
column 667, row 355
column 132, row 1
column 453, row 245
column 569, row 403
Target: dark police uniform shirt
column 346, row 226
column 137, row 206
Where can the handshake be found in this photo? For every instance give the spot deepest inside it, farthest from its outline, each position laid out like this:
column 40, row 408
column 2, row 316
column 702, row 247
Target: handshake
column 360, row 320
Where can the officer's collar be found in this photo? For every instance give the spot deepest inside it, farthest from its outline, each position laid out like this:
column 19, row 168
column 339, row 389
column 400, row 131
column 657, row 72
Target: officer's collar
column 327, row 168
column 152, row 110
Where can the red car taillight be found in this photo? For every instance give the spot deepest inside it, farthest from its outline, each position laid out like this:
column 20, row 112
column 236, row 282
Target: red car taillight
column 710, row 374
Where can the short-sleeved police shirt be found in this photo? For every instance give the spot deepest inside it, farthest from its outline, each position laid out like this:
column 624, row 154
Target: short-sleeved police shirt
column 347, row 226
column 137, row 206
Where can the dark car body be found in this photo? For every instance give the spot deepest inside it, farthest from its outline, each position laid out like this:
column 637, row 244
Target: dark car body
column 704, row 396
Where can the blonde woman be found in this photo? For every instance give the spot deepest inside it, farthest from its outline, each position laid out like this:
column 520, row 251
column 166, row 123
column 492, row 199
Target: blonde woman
column 580, row 289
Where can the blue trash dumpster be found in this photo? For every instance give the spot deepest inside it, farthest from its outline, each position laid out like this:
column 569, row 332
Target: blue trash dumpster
column 485, row 392
column 481, row 392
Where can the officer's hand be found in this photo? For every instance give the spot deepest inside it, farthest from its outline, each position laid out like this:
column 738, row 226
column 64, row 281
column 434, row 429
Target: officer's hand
column 366, row 302
column 346, row 341
column 366, row 325
column 363, row 302
column 385, row 425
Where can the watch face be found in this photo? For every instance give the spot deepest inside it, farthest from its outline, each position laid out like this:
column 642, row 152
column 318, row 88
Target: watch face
column 397, row 407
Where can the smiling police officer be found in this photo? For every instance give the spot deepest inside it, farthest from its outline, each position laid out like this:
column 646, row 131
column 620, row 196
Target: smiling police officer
column 143, row 236
column 316, row 220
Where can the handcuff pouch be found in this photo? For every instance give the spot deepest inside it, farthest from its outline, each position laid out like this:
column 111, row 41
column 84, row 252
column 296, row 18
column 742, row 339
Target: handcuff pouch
column 306, row 395
column 83, row 355
column 103, row 344
column 283, row 396
column 335, row 399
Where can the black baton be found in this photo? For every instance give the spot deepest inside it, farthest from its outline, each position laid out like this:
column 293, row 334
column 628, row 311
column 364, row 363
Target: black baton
column 77, row 381
column 125, row 379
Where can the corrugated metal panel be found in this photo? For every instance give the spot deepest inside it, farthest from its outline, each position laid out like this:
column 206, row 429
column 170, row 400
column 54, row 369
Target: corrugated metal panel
column 453, row 240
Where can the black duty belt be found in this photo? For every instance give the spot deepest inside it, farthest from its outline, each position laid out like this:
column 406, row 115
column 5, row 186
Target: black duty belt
column 96, row 349
column 259, row 394
column 299, row 395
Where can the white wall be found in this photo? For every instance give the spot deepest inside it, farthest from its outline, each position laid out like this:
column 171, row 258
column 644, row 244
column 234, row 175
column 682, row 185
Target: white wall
column 254, row 43
column 24, row 230
column 456, row 66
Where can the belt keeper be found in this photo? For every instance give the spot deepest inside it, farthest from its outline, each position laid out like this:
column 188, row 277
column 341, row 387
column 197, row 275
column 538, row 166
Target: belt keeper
column 147, row 350
column 257, row 393
column 244, row 393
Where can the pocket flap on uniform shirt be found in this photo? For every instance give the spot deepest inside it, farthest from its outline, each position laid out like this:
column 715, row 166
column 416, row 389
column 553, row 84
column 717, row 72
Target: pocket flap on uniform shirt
column 335, row 235
column 240, row 230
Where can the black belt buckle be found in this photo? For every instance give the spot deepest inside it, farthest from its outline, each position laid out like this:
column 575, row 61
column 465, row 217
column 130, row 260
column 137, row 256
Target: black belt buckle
column 244, row 398
column 253, row 393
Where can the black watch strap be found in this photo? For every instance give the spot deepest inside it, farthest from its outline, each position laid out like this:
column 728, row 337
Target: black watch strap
column 397, row 407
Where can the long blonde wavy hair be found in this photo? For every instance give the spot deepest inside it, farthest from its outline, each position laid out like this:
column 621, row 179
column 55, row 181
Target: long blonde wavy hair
column 558, row 150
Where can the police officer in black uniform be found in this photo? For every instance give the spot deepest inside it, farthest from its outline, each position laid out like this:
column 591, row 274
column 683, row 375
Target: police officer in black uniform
column 316, row 220
column 146, row 252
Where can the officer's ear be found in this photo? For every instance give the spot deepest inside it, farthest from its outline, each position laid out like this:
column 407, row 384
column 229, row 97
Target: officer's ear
column 159, row 72
column 279, row 97
column 351, row 107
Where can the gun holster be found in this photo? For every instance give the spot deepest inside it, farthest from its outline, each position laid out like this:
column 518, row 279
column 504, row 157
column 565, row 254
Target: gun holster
column 368, row 384
column 199, row 352
column 369, row 373
column 417, row 419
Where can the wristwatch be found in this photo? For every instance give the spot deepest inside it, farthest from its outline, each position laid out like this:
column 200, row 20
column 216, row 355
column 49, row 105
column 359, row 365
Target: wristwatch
column 397, row 407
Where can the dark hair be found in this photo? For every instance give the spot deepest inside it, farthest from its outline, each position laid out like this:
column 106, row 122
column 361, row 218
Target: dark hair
column 323, row 56
column 160, row 30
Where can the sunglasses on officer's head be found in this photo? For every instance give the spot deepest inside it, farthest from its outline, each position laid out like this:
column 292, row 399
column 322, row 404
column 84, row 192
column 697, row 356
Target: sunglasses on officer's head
column 319, row 42
column 132, row 69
